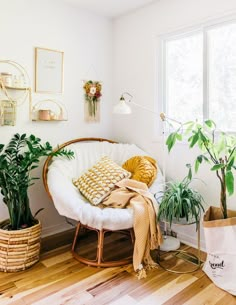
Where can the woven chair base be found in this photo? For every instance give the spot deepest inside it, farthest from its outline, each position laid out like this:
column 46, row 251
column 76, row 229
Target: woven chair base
column 99, row 261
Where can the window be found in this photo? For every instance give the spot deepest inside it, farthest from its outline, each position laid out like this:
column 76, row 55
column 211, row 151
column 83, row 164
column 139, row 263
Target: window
column 199, row 75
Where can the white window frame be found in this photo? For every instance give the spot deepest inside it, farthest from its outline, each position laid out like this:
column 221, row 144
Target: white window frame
column 161, row 61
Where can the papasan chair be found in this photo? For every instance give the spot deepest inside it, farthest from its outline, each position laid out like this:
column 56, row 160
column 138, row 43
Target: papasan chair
column 58, row 175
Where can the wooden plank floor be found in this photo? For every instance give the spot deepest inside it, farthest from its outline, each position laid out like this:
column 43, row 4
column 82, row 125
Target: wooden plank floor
column 58, row 279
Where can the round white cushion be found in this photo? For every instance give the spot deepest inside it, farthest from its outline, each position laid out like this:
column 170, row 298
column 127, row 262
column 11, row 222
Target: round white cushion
column 68, row 200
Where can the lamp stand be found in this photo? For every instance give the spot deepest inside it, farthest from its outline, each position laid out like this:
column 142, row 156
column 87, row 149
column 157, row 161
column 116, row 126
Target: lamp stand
column 170, row 243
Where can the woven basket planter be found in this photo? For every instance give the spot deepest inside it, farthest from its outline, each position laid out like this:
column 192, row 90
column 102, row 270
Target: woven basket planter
column 19, row 249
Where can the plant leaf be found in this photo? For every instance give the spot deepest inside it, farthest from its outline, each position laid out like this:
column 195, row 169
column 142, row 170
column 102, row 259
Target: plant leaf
column 189, row 127
column 196, row 166
column 210, row 123
column 194, row 140
column 190, row 175
column 39, row 210
column 198, row 162
column 230, row 163
column 229, row 180
column 179, row 136
column 216, row 167
column 171, row 141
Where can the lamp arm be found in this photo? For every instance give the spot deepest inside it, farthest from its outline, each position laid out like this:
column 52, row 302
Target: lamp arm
column 162, row 114
column 145, row 108
column 123, row 104
column 126, row 93
column 166, row 118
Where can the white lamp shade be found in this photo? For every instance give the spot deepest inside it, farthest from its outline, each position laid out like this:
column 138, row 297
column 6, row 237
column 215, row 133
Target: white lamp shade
column 122, row 108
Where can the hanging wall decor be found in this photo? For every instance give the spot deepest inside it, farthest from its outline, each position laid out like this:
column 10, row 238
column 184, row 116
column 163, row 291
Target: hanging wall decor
column 15, row 90
column 8, row 113
column 92, row 100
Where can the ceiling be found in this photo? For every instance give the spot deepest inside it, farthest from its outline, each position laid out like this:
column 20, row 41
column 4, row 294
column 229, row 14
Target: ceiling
column 110, row 8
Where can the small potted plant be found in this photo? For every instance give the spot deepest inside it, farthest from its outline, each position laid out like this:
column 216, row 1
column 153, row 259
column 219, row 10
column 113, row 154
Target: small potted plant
column 20, row 234
column 180, row 203
column 218, row 149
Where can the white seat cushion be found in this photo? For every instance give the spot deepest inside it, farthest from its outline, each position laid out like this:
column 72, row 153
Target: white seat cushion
column 66, row 197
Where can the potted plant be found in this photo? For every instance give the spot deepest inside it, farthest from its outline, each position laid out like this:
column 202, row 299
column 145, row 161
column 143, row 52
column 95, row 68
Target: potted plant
column 180, row 203
column 218, row 149
column 22, row 231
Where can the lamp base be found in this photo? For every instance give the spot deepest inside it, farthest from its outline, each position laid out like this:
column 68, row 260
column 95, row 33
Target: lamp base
column 170, row 243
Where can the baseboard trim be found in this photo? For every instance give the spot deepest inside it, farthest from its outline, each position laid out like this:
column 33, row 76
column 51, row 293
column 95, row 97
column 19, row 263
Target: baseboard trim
column 63, row 234
column 188, row 240
column 58, row 228
column 57, row 240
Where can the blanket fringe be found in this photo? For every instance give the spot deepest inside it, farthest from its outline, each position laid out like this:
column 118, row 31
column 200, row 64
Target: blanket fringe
column 152, row 266
column 142, row 274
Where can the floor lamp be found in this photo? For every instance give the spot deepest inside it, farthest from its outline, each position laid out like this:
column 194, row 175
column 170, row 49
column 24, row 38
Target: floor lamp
column 170, row 243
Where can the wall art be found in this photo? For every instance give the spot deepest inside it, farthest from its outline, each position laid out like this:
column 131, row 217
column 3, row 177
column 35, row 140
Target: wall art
column 48, row 70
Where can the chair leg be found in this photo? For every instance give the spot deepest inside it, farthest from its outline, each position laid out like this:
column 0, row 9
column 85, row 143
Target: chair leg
column 100, row 246
column 99, row 261
column 76, row 235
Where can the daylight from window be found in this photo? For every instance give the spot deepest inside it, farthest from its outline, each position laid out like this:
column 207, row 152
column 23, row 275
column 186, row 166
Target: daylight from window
column 199, row 75
column 184, row 78
column 222, row 76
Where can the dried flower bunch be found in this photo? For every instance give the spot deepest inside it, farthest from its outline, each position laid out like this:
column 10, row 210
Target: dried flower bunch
column 92, row 95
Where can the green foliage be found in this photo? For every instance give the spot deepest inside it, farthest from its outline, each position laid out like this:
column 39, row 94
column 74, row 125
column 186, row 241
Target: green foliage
column 180, row 201
column 17, row 160
column 217, row 148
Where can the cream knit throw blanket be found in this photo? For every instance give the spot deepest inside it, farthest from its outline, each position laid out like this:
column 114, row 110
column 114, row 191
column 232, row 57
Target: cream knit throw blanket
column 135, row 194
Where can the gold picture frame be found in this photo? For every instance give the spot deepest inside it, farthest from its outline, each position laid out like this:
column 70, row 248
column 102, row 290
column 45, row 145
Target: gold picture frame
column 49, row 70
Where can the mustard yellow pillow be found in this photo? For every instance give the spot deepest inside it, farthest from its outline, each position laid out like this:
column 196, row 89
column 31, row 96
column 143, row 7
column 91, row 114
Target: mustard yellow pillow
column 142, row 168
column 100, row 180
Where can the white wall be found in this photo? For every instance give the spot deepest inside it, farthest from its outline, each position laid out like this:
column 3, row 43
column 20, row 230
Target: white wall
column 135, row 48
column 86, row 41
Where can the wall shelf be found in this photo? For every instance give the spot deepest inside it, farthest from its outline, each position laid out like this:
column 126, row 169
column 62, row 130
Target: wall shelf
column 14, row 90
column 49, row 110
column 51, row 120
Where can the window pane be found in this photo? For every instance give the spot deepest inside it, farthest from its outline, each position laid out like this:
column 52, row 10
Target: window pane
column 184, row 77
column 222, row 76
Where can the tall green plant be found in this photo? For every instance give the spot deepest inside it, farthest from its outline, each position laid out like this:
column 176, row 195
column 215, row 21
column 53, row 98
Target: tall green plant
column 217, row 148
column 17, row 160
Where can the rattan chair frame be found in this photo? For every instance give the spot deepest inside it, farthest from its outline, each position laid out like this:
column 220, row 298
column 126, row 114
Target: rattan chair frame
column 99, row 261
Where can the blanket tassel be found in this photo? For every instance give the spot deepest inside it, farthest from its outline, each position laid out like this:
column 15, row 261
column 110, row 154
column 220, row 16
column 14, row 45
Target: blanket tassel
column 142, row 274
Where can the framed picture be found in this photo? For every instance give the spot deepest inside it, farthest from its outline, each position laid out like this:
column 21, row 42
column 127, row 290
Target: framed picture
column 48, row 70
